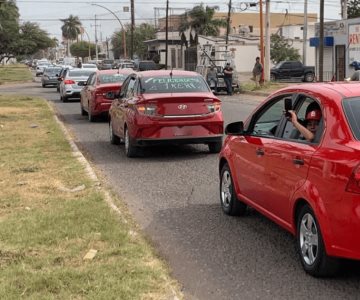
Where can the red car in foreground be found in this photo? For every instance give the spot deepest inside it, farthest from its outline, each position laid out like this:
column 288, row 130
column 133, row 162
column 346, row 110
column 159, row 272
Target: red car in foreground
column 166, row 106
column 309, row 187
column 99, row 90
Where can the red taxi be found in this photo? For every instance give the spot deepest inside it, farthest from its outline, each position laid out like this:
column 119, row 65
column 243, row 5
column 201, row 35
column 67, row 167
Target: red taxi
column 309, row 186
column 99, row 90
column 166, row 106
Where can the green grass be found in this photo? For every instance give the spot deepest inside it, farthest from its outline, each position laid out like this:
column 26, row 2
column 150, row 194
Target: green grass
column 14, row 74
column 45, row 232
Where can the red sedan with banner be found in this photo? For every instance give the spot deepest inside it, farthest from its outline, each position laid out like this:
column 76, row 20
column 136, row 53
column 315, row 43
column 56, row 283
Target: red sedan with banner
column 99, row 91
column 296, row 160
column 166, row 107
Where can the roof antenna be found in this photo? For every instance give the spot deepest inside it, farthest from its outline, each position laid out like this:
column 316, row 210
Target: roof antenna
column 171, row 74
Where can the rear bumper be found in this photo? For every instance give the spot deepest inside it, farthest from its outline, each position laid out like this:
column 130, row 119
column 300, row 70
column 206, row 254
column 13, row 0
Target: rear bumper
column 179, row 141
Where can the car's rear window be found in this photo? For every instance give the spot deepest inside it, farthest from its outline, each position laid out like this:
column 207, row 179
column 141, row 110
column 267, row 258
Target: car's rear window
column 174, row 84
column 352, row 112
column 79, row 73
column 110, row 78
column 145, row 66
column 52, row 70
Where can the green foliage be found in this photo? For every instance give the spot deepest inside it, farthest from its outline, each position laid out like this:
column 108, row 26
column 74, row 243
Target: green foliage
column 81, row 49
column 281, row 50
column 71, row 27
column 141, row 33
column 19, row 40
column 353, row 9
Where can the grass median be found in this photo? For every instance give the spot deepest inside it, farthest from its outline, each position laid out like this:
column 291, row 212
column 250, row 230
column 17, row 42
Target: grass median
column 52, row 214
column 14, row 73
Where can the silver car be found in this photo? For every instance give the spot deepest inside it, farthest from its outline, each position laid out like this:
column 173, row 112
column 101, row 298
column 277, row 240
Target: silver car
column 49, row 77
column 69, row 86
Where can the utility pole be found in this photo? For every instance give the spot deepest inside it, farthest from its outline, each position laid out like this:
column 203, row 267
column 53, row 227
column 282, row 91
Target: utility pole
column 344, row 9
column 321, row 42
column 166, row 34
column 261, row 39
column 96, row 42
column 132, row 30
column 267, row 43
column 228, row 25
column 305, row 33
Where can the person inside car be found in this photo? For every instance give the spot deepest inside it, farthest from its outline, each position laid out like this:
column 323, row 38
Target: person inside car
column 312, row 119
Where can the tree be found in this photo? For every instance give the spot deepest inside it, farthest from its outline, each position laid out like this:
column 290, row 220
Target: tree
column 200, row 20
column 353, row 9
column 142, row 33
column 281, row 50
column 71, row 29
column 81, row 49
column 9, row 27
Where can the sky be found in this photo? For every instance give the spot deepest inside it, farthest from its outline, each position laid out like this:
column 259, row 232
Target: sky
column 47, row 13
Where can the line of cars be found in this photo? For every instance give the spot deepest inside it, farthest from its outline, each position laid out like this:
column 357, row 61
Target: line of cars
column 262, row 163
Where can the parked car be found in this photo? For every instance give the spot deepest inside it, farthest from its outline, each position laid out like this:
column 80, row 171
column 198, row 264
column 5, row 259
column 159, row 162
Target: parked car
column 165, row 107
column 99, row 91
column 292, row 70
column 106, row 64
column 69, row 86
column 311, row 189
column 50, row 76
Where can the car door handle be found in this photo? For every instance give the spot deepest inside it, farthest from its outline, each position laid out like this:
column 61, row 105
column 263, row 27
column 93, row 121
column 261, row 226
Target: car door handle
column 298, row 161
column 260, row 152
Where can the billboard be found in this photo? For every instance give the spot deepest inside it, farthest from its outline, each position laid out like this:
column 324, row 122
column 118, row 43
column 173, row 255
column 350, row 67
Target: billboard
column 354, row 42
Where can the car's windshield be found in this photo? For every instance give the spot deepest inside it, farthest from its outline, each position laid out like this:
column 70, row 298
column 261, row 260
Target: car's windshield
column 109, row 78
column 79, row 73
column 173, row 84
column 352, row 112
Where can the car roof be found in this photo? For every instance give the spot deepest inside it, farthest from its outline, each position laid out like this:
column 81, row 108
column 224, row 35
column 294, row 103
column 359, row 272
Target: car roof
column 116, row 71
column 167, row 73
column 334, row 90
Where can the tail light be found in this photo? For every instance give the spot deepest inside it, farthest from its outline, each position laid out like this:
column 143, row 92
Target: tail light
column 68, row 81
column 149, row 110
column 353, row 185
column 214, row 106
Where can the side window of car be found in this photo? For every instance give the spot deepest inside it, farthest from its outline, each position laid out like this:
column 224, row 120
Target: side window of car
column 88, row 82
column 269, row 118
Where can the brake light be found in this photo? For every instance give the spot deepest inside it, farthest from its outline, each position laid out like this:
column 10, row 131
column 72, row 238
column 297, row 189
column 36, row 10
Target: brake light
column 149, row 110
column 68, row 81
column 214, row 107
column 353, row 185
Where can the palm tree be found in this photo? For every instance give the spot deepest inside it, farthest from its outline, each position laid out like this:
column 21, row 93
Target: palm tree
column 200, row 20
column 71, row 29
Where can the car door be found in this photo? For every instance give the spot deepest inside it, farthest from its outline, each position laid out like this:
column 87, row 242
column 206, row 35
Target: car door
column 286, row 70
column 251, row 158
column 126, row 107
column 85, row 92
column 116, row 109
column 289, row 160
column 297, row 69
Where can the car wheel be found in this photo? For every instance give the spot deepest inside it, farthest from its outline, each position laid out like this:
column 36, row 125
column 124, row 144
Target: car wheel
column 309, row 77
column 229, row 202
column 130, row 149
column 57, row 89
column 64, row 99
column 114, row 139
column 43, row 85
column 83, row 112
column 215, row 147
column 91, row 117
column 272, row 77
column 310, row 246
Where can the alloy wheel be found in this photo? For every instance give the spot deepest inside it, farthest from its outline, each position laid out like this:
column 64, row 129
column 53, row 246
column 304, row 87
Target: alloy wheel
column 226, row 189
column 309, row 239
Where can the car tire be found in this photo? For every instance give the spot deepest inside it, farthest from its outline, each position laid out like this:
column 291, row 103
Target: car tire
column 230, row 204
column 114, row 139
column 310, row 246
column 215, row 147
column 64, row 99
column 130, row 149
column 83, row 112
column 43, row 85
column 272, row 77
column 309, row 77
column 91, row 117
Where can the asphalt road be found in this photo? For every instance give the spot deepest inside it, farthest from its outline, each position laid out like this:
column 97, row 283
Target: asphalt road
column 173, row 193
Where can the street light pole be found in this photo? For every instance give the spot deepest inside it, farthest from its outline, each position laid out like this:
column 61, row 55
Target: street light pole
column 123, row 29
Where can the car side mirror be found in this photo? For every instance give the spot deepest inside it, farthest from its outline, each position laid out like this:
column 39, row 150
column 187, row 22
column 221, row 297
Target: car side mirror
column 236, row 128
